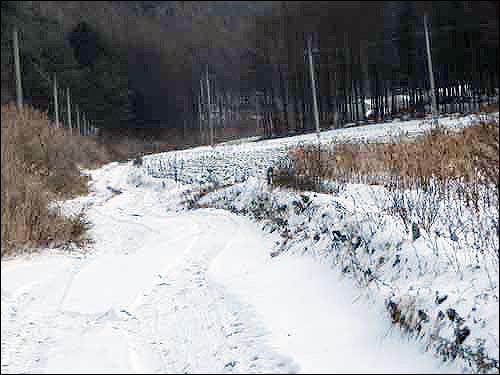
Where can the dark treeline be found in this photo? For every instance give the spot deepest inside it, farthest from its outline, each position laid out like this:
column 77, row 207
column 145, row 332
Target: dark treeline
column 142, row 63
column 373, row 53
column 83, row 60
column 128, row 63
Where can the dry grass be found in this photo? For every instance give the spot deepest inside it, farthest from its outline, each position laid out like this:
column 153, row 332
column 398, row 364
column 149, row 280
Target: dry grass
column 40, row 164
column 492, row 108
column 422, row 178
column 470, row 155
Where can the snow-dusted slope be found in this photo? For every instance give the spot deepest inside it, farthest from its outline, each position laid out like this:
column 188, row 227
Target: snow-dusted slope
column 437, row 286
column 188, row 291
column 235, row 163
column 440, row 286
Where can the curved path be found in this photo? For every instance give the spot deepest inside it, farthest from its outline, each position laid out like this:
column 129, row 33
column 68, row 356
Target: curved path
column 186, row 292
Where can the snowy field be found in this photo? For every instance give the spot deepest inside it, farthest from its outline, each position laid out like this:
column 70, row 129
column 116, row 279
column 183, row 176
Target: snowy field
column 228, row 164
column 165, row 290
column 440, row 286
column 260, row 281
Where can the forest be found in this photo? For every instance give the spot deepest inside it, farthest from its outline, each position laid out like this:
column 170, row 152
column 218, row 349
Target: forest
column 249, row 187
column 148, row 64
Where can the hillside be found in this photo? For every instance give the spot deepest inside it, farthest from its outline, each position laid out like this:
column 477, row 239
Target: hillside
column 250, row 187
column 140, row 64
column 140, row 57
column 198, row 265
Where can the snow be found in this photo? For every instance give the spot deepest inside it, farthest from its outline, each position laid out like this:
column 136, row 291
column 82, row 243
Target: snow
column 163, row 289
column 139, row 301
column 352, row 232
column 227, row 164
column 313, row 315
column 168, row 290
column 105, row 350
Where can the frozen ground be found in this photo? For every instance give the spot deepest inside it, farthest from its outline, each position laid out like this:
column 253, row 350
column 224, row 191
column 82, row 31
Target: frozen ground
column 173, row 291
column 440, row 286
column 167, row 290
column 227, row 163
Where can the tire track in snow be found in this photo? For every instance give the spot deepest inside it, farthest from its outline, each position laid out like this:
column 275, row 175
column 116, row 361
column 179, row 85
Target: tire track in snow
column 179, row 322
column 202, row 329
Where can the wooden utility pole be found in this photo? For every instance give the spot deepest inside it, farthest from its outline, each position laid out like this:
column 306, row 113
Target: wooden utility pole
column 17, row 63
column 56, row 102
column 200, row 103
column 78, row 120
column 68, row 108
column 431, row 72
column 256, row 111
column 209, row 110
column 313, row 87
column 84, row 126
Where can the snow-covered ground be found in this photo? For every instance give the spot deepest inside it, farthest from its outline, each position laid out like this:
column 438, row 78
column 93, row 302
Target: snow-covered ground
column 229, row 163
column 440, row 285
column 165, row 290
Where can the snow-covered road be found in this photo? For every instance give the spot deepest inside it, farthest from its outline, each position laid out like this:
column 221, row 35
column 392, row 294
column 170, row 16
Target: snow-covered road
column 187, row 292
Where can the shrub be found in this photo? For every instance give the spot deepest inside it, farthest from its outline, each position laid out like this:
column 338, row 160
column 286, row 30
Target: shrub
column 40, row 164
column 470, row 155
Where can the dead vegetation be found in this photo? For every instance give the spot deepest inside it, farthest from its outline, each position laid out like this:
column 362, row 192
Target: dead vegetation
column 40, row 164
column 470, row 155
column 441, row 169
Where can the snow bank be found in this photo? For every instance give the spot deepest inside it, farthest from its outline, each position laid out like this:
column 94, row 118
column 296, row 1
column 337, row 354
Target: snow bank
column 228, row 164
column 438, row 285
column 433, row 287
